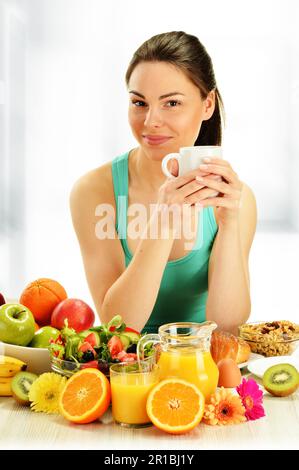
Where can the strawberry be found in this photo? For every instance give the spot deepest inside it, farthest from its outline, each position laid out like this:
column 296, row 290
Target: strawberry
column 132, row 355
column 115, row 346
column 93, row 364
column 87, row 347
column 123, row 356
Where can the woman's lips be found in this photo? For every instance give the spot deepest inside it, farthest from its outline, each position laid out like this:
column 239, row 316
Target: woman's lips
column 156, row 141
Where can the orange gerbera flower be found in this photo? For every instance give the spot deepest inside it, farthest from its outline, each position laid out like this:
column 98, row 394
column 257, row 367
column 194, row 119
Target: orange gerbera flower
column 224, row 408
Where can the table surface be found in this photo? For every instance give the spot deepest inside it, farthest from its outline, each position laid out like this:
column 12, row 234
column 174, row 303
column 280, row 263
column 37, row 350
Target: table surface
column 21, row 428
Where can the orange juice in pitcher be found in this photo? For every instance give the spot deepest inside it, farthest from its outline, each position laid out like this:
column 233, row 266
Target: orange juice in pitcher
column 185, row 353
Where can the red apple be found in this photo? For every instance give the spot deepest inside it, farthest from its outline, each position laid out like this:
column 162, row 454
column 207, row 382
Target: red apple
column 78, row 314
column 2, row 300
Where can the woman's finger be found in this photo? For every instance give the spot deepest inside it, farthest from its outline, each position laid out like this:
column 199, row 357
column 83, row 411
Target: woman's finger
column 180, row 181
column 226, row 172
column 221, row 186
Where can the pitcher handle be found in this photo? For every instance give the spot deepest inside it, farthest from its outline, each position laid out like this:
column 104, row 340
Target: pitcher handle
column 146, row 339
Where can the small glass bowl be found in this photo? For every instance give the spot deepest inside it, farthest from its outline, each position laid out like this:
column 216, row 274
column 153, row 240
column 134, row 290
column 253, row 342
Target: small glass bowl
column 268, row 338
column 69, row 368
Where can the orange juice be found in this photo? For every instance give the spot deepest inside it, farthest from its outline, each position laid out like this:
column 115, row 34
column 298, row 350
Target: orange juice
column 190, row 364
column 129, row 394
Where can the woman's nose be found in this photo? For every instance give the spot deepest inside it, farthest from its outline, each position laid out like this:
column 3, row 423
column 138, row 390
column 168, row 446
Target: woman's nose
column 153, row 117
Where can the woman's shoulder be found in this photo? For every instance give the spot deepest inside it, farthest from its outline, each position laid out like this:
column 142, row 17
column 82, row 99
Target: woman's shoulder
column 88, row 191
column 95, row 183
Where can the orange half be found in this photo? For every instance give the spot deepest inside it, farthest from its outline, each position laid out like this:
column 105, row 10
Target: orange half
column 85, row 397
column 175, row 406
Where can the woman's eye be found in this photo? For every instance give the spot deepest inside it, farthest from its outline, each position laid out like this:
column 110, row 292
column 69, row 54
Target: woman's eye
column 170, row 101
column 173, row 101
column 137, row 101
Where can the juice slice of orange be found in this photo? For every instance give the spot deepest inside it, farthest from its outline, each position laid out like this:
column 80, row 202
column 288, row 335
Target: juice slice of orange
column 175, row 406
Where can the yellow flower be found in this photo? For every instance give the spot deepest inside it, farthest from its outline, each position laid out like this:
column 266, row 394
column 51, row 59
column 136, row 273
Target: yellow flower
column 45, row 392
column 224, row 408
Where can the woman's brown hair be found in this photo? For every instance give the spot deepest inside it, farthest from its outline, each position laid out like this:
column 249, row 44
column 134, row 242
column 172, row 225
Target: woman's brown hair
column 188, row 54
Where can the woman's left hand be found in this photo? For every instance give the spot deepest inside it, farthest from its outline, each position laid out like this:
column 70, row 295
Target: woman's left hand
column 228, row 201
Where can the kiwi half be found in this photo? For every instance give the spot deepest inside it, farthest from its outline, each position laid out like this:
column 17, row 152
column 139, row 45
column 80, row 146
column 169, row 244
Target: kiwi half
column 281, row 380
column 20, row 386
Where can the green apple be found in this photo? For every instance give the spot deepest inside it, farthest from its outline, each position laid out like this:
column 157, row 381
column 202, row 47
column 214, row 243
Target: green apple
column 41, row 338
column 16, row 324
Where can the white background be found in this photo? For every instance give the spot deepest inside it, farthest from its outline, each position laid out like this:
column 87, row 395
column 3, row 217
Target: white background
column 63, row 112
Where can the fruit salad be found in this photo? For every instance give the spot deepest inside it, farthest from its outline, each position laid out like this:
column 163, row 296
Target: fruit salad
column 98, row 347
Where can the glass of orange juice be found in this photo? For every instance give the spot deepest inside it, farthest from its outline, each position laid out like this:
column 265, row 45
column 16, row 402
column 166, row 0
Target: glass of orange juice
column 130, row 386
column 185, row 353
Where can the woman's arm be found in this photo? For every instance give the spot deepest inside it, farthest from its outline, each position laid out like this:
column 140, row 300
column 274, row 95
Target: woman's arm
column 228, row 302
column 115, row 289
column 134, row 294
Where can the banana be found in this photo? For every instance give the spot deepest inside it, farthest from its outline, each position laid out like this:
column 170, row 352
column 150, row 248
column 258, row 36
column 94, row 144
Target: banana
column 9, row 366
column 5, row 388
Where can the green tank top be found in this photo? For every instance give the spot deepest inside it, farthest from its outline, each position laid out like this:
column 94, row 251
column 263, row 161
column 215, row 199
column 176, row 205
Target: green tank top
column 183, row 290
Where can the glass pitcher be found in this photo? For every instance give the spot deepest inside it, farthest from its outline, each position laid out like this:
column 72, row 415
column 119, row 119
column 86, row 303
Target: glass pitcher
column 185, row 353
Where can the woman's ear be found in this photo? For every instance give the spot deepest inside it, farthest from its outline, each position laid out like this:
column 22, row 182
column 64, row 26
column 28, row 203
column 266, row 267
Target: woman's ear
column 209, row 105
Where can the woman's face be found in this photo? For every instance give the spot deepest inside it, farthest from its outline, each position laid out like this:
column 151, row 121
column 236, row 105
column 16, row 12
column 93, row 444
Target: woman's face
column 179, row 116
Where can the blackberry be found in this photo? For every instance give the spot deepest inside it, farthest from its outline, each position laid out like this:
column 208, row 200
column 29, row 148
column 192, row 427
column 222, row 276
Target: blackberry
column 103, row 366
column 132, row 348
column 87, row 356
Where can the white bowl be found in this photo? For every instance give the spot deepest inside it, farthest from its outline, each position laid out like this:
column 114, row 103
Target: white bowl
column 37, row 359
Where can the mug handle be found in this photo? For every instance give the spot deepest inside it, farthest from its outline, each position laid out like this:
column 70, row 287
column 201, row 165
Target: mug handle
column 165, row 160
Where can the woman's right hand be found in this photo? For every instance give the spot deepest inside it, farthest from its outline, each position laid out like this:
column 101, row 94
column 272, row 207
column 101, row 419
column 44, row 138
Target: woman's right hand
column 175, row 191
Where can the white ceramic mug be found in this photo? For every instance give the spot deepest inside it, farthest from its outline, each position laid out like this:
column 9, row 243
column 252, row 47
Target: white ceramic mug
column 189, row 158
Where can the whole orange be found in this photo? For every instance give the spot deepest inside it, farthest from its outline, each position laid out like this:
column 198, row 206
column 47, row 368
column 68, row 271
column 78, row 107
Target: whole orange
column 41, row 297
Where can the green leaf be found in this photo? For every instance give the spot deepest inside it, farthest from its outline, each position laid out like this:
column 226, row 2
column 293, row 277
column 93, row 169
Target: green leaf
column 103, row 337
column 149, row 350
column 103, row 352
column 67, row 332
column 97, row 329
column 72, row 345
column 57, row 350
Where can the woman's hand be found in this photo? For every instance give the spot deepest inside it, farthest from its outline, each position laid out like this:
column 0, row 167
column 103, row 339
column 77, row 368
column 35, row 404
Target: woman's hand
column 183, row 191
column 228, row 201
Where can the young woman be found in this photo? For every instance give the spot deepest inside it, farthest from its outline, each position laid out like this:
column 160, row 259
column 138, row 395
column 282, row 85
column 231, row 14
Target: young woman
column 155, row 280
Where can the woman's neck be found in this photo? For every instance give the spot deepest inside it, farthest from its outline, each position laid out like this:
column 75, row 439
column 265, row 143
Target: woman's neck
column 147, row 172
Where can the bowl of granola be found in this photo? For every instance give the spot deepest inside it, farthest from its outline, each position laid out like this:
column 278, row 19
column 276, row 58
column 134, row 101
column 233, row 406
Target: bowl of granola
column 276, row 338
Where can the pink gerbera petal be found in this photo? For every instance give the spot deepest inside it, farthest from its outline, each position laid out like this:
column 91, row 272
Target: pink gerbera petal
column 255, row 413
column 252, row 399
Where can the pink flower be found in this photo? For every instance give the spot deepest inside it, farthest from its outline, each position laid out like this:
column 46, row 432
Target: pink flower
column 252, row 399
